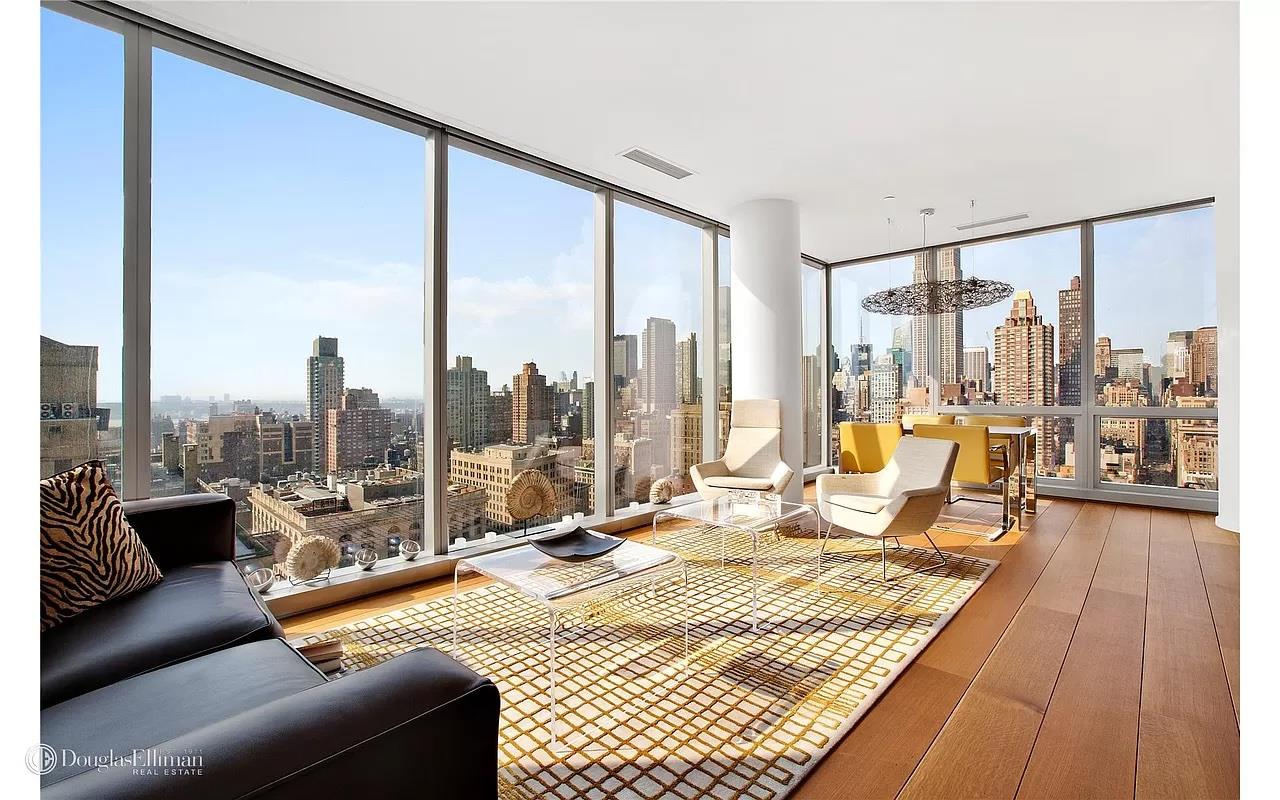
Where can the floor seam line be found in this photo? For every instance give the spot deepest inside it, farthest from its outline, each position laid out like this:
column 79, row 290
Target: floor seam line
column 969, row 683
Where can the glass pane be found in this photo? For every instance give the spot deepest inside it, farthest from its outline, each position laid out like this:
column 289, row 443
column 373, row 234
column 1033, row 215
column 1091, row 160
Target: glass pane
column 811, row 362
column 287, row 311
column 1159, row 452
column 882, row 360
column 657, row 316
column 520, row 390
column 1156, row 315
column 81, row 245
column 1004, row 354
column 1055, row 446
column 724, row 357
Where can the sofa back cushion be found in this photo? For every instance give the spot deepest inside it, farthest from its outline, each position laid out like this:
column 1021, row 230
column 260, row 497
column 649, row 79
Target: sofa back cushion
column 88, row 553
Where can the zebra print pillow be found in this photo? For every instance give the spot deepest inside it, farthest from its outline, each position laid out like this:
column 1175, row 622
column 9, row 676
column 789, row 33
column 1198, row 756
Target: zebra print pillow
column 88, row 553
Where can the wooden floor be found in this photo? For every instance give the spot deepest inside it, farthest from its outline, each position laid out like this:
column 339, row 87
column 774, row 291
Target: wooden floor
column 1101, row 659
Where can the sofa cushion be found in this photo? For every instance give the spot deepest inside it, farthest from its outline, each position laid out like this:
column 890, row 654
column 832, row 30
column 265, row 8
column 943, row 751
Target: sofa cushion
column 148, row 710
column 88, row 553
column 739, row 482
column 196, row 609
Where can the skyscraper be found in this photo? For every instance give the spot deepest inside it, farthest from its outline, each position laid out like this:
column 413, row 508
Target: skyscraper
column 1070, row 325
column 724, row 330
column 977, row 368
column 359, row 431
column 1204, row 360
column 1023, row 370
column 324, row 392
column 950, row 325
column 625, row 356
column 467, row 404
column 1102, row 360
column 886, row 389
column 71, row 424
column 499, row 417
column 1177, row 355
column 687, row 370
column 658, row 392
column 532, row 405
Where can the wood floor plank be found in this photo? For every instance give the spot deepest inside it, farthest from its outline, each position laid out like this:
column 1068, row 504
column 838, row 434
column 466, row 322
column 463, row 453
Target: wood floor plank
column 1188, row 739
column 887, row 743
column 1092, row 754
column 983, row 749
column 1219, row 553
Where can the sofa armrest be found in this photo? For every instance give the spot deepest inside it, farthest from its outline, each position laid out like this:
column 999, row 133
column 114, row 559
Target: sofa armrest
column 186, row 529
column 419, row 725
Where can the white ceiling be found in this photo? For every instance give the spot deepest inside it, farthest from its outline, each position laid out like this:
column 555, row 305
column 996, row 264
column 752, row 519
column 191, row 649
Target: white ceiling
column 1062, row 110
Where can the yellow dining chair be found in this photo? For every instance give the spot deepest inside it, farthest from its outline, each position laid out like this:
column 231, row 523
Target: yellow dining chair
column 867, row 447
column 1000, row 421
column 980, row 461
column 908, row 420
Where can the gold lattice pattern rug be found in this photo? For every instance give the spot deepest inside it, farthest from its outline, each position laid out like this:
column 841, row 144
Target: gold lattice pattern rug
column 753, row 712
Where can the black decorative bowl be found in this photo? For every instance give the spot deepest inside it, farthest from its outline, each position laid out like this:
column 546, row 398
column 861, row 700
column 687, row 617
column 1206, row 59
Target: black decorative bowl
column 576, row 545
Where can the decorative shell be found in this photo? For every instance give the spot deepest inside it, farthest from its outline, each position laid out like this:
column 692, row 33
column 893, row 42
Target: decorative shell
column 661, row 491
column 310, row 556
column 531, row 495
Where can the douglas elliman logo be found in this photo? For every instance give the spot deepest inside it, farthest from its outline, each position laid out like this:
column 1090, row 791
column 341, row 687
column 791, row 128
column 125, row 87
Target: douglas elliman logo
column 43, row 759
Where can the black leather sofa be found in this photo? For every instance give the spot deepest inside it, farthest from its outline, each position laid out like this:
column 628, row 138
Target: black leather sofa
column 187, row 690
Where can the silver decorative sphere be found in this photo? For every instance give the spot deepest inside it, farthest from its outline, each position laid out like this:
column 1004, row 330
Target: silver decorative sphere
column 366, row 557
column 261, row 580
column 410, row 549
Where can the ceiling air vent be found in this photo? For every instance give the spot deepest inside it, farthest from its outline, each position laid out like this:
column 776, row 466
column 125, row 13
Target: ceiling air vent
column 653, row 162
column 982, row 223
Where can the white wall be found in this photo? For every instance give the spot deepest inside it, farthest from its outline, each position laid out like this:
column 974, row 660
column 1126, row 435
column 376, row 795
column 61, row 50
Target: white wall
column 765, row 292
column 1226, row 223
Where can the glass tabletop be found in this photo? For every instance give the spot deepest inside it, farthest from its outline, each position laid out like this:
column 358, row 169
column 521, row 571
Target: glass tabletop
column 751, row 514
column 552, row 581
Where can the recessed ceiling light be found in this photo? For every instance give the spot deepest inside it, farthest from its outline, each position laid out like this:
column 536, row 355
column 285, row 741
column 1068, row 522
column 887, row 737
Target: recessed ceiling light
column 993, row 221
column 655, row 162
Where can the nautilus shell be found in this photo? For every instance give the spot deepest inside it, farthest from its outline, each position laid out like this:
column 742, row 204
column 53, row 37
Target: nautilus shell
column 661, row 491
column 310, row 556
column 531, row 495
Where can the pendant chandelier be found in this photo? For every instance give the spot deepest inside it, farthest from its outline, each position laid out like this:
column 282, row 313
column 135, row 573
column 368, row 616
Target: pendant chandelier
column 934, row 296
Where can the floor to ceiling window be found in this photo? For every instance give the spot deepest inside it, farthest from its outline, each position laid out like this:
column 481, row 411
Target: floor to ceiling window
column 519, row 384
column 881, row 364
column 657, row 331
column 1023, row 351
column 813, row 375
column 1157, row 349
column 724, row 339
column 287, row 311
column 81, row 243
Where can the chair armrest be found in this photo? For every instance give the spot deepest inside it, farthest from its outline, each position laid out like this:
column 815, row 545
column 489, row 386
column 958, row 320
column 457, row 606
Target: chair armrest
column 420, row 724
column 709, row 469
column 781, row 476
column 186, row 529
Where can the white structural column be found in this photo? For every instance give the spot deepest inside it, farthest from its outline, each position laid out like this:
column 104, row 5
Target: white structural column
column 1226, row 218
column 765, row 292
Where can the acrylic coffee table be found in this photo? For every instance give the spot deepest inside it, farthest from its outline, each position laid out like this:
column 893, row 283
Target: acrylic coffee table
column 559, row 586
column 754, row 518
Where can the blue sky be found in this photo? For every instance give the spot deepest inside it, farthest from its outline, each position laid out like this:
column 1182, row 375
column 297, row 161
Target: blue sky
column 1153, row 275
column 277, row 219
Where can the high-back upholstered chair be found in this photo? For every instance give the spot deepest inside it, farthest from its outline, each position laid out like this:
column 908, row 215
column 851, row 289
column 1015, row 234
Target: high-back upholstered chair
column 753, row 456
column 998, row 421
column 980, row 460
column 903, row 499
column 867, row 446
column 908, row 420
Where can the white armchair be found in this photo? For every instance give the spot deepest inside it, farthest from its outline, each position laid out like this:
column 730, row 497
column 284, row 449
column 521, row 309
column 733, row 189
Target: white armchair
column 753, row 456
column 903, row 499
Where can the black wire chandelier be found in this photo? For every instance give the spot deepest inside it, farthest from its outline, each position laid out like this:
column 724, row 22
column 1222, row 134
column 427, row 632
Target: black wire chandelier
column 934, row 296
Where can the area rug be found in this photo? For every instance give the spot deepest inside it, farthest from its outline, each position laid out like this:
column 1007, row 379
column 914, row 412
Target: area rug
column 751, row 713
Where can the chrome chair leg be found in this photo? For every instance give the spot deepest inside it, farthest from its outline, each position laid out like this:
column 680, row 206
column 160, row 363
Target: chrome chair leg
column 884, row 569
